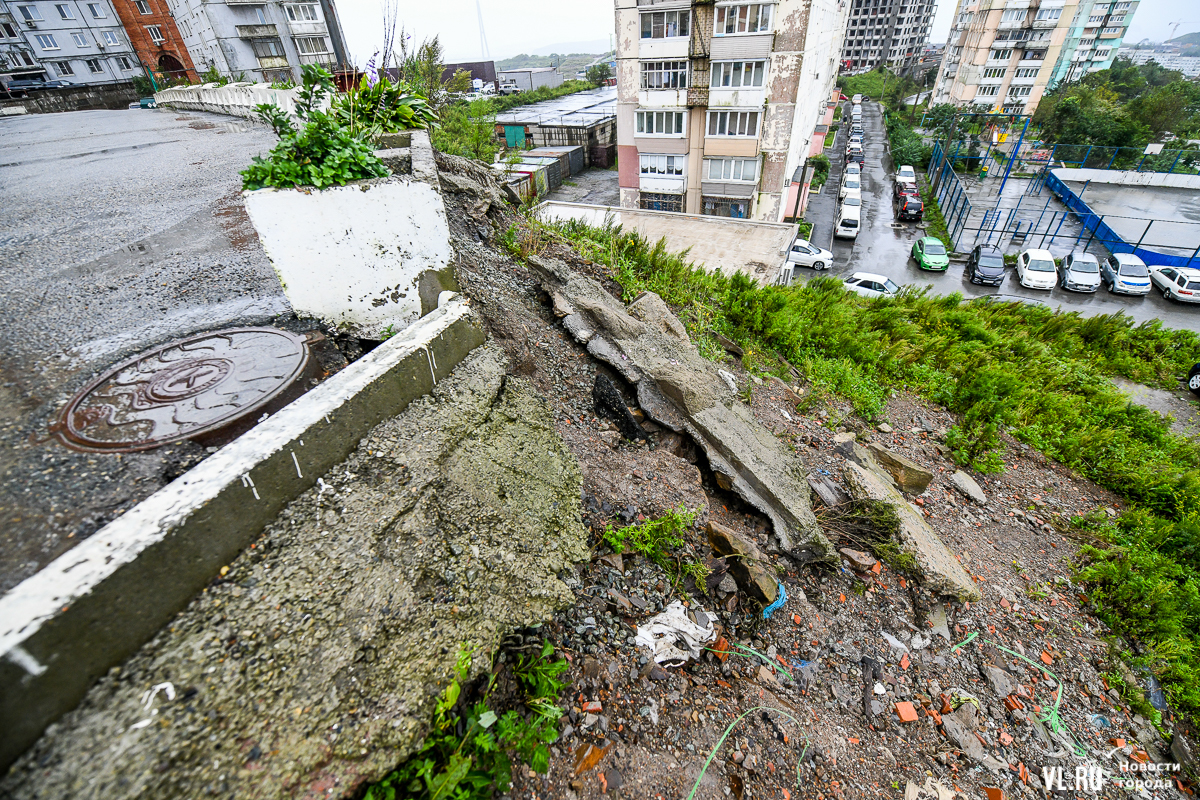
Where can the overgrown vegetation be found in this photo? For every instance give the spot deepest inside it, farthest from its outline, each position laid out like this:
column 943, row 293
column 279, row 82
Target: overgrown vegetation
column 1040, row 376
column 821, row 172
column 655, row 539
column 934, row 221
column 321, row 152
column 385, row 107
column 468, row 754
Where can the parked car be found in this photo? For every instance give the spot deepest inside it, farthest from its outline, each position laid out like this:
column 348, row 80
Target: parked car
column 848, row 220
column 857, row 156
column 1036, row 270
column 1079, row 272
column 853, row 201
column 856, row 127
column 24, row 86
column 56, row 84
column 870, row 285
column 856, row 139
column 807, row 254
column 857, row 99
column 1194, row 380
column 1125, row 273
column 1177, row 283
column 850, row 182
column 908, row 208
column 930, row 253
column 852, row 168
column 985, row 265
column 904, row 190
column 906, row 174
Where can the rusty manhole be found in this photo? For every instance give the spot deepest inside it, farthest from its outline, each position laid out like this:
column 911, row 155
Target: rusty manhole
column 204, row 387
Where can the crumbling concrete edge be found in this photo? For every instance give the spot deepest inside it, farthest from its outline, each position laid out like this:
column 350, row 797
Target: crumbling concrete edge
column 91, row 608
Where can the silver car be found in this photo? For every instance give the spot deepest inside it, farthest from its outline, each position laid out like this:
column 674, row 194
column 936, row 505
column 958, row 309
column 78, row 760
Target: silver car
column 1079, row 272
column 1125, row 273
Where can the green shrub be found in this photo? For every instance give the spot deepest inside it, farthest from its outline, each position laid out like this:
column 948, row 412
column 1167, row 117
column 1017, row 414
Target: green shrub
column 320, row 153
column 386, row 107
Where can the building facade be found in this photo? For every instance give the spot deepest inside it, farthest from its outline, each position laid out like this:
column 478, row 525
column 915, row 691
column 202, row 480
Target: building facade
column 155, row 38
column 1188, row 65
column 260, row 42
column 80, row 41
column 892, row 33
column 717, row 103
column 1095, row 35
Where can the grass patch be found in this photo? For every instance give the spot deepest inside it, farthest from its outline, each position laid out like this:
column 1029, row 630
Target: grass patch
column 831, row 136
column 1042, row 377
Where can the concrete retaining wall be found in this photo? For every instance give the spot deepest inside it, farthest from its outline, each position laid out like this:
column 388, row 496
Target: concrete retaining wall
column 1128, row 177
column 72, row 98
column 87, row 611
column 235, row 99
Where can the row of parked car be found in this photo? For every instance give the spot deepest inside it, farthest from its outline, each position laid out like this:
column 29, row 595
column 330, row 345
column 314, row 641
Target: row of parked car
column 849, row 217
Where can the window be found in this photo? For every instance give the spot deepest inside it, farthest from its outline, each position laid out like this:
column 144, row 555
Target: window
column 1110, row 31
column 662, row 165
column 1049, row 14
column 754, row 18
column 1000, row 55
column 994, row 72
column 267, row 48
column 1096, row 18
column 63, row 68
column 143, row 7
column 1033, row 55
column 988, row 91
column 665, row 24
column 653, row 201
column 96, row 10
column 46, row 41
column 1121, row 7
column 1027, row 72
column 1013, row 15
column 1019, row 91
column 9, row 30
column 735, row 207
column 124, row 62
column 95, row 66
column 737, row 73
column 1102, row 54
column 666, row 123
column 664, row 74
column 64, row 11
column 110, row 38
column 312, row 45
column 155, row 33
column 731, row 169
column 733, row 123
column 303, row 13
column 30, row 13
column 186, row 27
column 81, row 40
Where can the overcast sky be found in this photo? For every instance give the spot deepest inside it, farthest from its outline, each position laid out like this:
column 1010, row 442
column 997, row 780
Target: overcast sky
column 545, row 26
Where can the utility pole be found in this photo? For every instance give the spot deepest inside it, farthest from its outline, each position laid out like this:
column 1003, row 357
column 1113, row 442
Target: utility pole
column 937, row 174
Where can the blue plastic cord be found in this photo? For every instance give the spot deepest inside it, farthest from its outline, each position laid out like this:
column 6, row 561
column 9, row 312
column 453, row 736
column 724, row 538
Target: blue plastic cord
column 779, row 601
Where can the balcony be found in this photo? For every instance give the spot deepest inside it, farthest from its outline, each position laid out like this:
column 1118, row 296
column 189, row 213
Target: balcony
column 308, row 28
column 257, row 31
column 325, row 59
column 273, row 62
column 1046, row 24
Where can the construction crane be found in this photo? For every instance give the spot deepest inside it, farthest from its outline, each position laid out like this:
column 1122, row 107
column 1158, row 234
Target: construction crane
column 1175, row 27
column 483, row 45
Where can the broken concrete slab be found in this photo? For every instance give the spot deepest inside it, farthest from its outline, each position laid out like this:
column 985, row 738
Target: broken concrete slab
column 938, row 568
column 747, row 564
column 909, row 476
column 316, row 661
column 1001, row 682
column 685, row 393
column 967, row 485
column 650, row 308
column 66, row 626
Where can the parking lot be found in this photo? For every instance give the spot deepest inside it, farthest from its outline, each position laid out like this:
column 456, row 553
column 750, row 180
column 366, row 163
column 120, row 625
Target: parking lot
column 884, row 244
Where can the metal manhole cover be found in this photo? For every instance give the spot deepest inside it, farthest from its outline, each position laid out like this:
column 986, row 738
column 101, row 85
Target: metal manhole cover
column 184, row 389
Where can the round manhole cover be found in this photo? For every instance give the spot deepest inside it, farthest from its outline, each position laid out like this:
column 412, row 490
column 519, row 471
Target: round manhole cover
column 184, row 389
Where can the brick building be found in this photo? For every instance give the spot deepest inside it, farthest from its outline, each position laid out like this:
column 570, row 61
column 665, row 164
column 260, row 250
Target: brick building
column 155, row 39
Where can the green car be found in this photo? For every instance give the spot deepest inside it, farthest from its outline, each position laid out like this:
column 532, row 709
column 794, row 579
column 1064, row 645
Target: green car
column 930, row 253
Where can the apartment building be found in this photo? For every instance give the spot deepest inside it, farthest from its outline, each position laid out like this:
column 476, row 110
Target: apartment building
column 265, row 42
column 888, row 32
column 155, row 38
column 1096, row 33
column 717, row 103
column 80, row 41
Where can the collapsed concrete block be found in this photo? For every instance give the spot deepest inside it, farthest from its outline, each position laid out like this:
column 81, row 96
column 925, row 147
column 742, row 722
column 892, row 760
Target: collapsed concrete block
column 680, row 390
column 317, row 660
column 909, row 476
column 747, row 564
column 938, row 568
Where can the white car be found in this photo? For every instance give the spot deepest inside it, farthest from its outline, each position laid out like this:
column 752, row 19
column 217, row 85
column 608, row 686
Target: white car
column 1177, row 283
column 906, row 174
column 857, row 99
column 870, row 285
column 850, row 183
column 1125, row 273
column 852, row 201
column 807, row 254
column 853, row 168
column 1036, row 270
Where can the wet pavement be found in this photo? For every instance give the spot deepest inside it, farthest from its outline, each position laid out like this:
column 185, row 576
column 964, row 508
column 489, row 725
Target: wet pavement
column 119, row 230
column 1161, row 218
column 885, row 244
column 595, row 186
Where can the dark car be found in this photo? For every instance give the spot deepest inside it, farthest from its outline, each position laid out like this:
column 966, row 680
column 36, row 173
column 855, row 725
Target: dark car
column 986, row 265
column 1194, row 380
column 24, row 85
column 907, row 207
column 856, row 156
column 56, row 84
column 900, row 190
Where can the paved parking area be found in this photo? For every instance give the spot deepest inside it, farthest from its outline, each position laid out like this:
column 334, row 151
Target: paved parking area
column 885, row 244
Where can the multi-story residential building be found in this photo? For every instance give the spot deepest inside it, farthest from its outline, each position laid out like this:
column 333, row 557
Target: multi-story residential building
column 266, row 42
column 1093, row 39
column 1001, row 53
column 81, row 41
column 717, row 103
column 888, row 32
column 155, row 38
column 1188, row 65
column 17, row 59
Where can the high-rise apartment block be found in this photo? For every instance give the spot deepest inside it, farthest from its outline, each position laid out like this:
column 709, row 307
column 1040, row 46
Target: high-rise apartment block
column 718, row 101
column 892, row 33
column 1003, row 55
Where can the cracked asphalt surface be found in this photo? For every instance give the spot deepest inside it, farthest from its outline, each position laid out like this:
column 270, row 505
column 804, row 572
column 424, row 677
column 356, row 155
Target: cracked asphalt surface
column 119, row 230
column 885, row 244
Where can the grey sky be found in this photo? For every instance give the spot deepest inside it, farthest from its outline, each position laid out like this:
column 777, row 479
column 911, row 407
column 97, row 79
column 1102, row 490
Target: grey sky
column 526, row 26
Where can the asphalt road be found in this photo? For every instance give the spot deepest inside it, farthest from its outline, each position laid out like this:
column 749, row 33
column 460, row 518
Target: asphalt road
column 118, row 230
column 885, row 244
